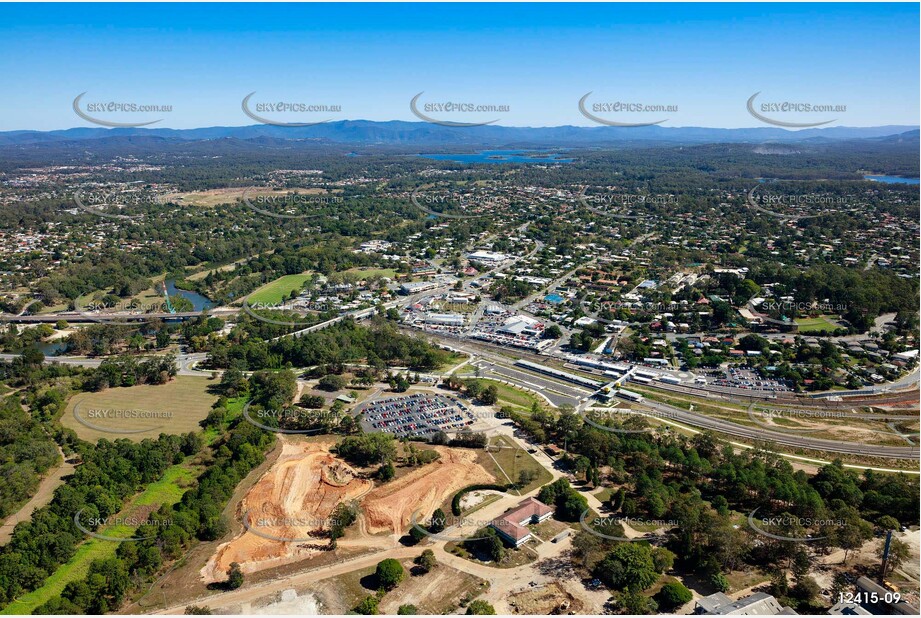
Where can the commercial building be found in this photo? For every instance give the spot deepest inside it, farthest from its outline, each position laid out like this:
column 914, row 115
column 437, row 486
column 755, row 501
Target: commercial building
column 415, row 288
column 758, row 604
column 445, row 319
column 520, row 325
column 512, row 526
column 487, row 257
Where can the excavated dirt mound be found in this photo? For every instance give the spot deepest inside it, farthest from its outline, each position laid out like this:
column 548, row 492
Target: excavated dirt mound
column 390, row 507
column 292, row 502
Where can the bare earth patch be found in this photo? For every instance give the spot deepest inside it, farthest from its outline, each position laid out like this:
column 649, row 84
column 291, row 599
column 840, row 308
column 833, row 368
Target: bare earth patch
column 293, row 500
column 391, row 506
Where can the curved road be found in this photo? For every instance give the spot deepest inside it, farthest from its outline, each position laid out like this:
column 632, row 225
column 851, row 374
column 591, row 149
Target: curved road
column 700, row 421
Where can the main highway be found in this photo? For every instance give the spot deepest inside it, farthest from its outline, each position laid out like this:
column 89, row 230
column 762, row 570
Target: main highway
column 498, row 363
column 493, row 364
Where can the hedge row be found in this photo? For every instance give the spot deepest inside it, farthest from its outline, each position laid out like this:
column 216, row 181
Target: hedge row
column 455, row 502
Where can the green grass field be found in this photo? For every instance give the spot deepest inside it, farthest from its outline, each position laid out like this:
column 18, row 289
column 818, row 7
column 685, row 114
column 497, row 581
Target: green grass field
column 357, row 274
column 175, row 407
column 168, row 490
column 519, row 400
column 605, row 494
column 509, row 460
column 820, row 324
column 272, row 292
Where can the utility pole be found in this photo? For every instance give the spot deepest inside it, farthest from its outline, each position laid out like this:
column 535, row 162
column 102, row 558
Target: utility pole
column 882, row 575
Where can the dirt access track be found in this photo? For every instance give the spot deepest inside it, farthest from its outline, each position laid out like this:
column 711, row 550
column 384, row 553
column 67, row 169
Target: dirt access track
column 293, row 500
column 287, row 511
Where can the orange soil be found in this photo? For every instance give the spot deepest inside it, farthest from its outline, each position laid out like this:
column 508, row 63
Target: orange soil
column 390, row 507
column 293, row 500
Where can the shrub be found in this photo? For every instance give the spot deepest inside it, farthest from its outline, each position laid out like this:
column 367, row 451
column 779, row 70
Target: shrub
column 481, row 608
column 672, row 595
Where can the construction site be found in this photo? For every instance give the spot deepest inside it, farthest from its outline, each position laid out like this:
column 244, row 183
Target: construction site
column 286, row 515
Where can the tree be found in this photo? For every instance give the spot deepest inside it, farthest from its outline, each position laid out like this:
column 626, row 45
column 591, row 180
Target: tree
column 629, row 566
column 407, row 610
column 368, row 606
column 721, row 505
column 234, row 576
column 273, row 390
column 673, row 595
column 386, row 472
column 839, row 585
column 662, row 559
column 367, row 449
column 389, row 573
column 331, row 383
column 899, row 552
column 417, row 533
column 636, row 603
column 426, row 561
column 805, row 589
column 552, row 332
column 888, row 522
column 617, row 499
column 495, row 548
column 439, row 520
column 343, row 516
column 197, row 610
column 571, row 506
column 719, row 582
column 490, row 395
column 850, row 531
column 313, row 402
column 526, row 477
column 480, row 608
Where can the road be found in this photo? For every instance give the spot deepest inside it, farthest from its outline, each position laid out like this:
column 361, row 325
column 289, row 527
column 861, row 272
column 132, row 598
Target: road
column 501, row 581
column 701, row 421
column 77, row 317
column 561, row 393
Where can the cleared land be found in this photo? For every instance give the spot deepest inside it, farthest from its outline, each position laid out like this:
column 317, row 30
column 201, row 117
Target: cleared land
column 816, row 325
column 360, row 273
column 272, row 292
column 436, row 592
column 168, row 490
column 228, row 195
column 293, row 500
column 140, row 412
column 545, row 600
column 506, row 461
column 390, row 507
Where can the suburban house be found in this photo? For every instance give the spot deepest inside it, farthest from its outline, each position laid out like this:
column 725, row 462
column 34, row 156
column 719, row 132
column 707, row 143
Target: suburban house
column 512, row 526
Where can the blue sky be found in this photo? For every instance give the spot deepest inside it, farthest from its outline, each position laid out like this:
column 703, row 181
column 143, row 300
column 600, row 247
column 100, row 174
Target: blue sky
column 539, row 59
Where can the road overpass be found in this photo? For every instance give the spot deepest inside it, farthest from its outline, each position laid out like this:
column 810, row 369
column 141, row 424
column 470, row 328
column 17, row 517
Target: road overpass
column 91, row 317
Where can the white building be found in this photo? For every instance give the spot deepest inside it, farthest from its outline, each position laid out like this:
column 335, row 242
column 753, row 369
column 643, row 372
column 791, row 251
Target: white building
column 487, row 257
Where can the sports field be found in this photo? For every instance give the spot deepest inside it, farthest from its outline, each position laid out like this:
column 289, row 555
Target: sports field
column 815, row 325
column 272, row 292
column 139, row 412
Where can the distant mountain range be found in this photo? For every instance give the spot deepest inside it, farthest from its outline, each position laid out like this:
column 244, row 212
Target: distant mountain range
column 365, row 132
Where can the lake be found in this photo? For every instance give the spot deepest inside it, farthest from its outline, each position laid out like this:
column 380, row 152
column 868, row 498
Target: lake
column 503, row 156
column 52, row 348
column 198, row 301
column 893, row 180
